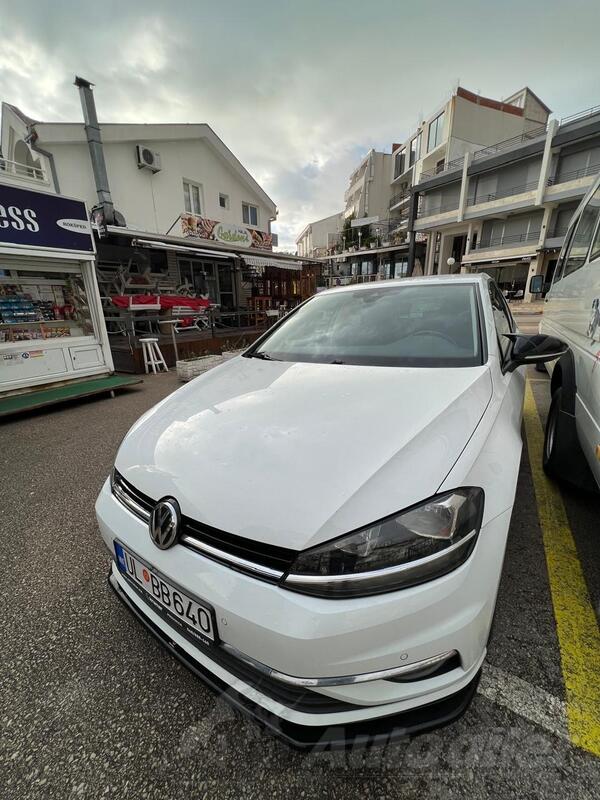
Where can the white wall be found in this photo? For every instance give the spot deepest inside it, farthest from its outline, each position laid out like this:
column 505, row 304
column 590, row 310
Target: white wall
column 316, row 234
column 151, row 202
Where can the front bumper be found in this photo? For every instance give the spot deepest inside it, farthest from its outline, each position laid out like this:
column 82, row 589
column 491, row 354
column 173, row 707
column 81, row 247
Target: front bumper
column 306, row 636
column 378, row 731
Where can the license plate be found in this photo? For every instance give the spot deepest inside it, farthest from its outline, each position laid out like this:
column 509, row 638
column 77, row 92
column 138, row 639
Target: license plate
column 195, row 618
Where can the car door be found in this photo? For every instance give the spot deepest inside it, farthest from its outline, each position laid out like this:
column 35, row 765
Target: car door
column 572, row 313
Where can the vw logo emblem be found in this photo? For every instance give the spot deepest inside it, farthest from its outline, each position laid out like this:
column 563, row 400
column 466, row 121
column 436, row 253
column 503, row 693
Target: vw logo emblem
column 164, row 523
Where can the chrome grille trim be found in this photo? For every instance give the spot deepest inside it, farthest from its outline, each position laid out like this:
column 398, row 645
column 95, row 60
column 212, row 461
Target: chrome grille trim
column 230, row 559
column 141, row 507
column 130, row 504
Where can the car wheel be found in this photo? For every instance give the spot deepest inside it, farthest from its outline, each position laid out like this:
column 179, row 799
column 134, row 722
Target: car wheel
column 563, row 458
column 551, row 445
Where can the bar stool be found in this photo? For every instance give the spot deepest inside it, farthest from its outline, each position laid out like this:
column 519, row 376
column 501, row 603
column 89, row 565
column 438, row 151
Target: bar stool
column 152, row 355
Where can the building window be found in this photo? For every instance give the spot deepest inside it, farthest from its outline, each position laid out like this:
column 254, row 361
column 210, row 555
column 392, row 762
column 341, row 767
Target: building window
column 224, row 200
column 191, row 198
column 399, row 162
column 436, row 131
column 249, row 214
column 415, row 149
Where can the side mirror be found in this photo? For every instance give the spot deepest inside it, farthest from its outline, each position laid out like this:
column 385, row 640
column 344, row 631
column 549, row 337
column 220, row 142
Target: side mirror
column 534, row 349
column 536, row 284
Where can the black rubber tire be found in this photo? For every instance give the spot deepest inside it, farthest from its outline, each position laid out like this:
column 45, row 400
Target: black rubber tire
column 553, row 438
column 563, row 458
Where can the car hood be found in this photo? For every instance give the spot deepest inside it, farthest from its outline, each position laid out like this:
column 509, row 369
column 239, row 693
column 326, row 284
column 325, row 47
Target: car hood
column 294, row 454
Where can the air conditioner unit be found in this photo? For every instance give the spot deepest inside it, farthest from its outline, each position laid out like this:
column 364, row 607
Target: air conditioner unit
column 147, row 159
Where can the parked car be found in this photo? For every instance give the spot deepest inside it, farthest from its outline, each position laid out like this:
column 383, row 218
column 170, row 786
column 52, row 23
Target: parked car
column 317, row 527
column 572, row 313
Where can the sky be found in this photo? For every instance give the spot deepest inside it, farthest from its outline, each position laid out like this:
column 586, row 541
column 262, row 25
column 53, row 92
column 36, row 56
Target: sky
column 299, row 91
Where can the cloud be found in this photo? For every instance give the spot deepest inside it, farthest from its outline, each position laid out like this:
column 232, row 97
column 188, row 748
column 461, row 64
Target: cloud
column 299, row 91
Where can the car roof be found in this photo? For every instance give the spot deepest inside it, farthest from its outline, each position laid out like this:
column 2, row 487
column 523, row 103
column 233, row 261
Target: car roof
column 477, row 277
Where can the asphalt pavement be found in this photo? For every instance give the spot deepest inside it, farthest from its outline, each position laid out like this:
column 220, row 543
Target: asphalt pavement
column 91, row 706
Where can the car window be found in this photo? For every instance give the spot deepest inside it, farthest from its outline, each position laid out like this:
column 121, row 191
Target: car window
column 581, row 239
column 502, row 318
column 595, row 251
column 417, row 325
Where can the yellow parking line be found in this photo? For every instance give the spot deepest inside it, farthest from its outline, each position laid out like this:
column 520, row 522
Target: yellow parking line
column 576, row 624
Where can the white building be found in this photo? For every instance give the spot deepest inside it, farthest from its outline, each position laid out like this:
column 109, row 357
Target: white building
column 504, row 209
column 174, row 210
column 192, row 170
column 464, row 123
column 319, row 236
column 368, row 192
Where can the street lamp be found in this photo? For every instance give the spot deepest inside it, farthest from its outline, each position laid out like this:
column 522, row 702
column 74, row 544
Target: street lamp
column 451, row 262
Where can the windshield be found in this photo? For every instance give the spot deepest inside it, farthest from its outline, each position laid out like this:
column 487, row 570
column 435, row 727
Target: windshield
column 420, row 325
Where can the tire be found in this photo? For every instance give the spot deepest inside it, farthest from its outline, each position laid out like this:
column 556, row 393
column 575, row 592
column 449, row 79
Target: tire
column 553, row 448
column 563, row 458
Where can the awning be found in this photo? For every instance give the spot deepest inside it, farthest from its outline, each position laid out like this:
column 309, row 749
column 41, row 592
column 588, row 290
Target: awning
column 265, row 261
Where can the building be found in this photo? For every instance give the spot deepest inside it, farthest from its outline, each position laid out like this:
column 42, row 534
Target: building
column 319, row 237
column 174, row 211
column 368, row 192
column 504, row 208
column 377, row 241
column 155, row 172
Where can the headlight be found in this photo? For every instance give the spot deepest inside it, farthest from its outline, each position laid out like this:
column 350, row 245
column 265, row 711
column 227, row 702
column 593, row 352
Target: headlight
column 418, row 544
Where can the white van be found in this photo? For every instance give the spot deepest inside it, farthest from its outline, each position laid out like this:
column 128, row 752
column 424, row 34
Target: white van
column 572, row 313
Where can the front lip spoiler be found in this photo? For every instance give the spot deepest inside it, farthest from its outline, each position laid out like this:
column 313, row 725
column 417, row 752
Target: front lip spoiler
column 364, row 733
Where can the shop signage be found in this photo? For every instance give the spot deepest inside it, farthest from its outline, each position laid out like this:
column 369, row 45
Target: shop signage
column 39, row 219
column 225, row 232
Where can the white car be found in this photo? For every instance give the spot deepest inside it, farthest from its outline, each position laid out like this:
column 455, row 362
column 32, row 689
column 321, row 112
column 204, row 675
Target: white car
column 317, row 527
column 572, row 313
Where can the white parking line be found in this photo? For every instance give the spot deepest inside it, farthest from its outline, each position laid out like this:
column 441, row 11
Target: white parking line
column 525, row 699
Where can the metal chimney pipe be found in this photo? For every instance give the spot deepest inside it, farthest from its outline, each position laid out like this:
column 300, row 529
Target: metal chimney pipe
column 92, row 131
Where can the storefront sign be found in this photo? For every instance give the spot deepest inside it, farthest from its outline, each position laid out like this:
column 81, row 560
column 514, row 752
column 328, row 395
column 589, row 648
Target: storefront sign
column 40, row 219
column 225, row 232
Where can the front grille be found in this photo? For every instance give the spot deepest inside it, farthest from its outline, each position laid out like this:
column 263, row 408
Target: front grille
column 263, row 560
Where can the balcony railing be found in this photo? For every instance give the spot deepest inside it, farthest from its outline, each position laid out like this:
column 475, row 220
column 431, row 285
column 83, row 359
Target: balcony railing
column 456, row 163
column 489, row 242
column 574, row 174
column 558, row 232
column 440, row 208
column 502, row 193
column 399, row 198
column 588, row 112
column 506, row 144
column 22, row 170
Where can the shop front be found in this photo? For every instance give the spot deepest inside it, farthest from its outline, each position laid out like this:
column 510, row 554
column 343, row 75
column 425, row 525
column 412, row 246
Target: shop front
column 51, row 323
column 510, row 275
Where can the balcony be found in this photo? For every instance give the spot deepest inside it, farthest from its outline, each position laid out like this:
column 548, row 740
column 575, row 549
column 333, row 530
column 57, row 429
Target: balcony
column 501, row 194
column 398, row 199
column 440, row 208
column 16, row 172
column 588, row 112
column 456, row 163
column 575, row 174
column 514, row 239
column 508, row 144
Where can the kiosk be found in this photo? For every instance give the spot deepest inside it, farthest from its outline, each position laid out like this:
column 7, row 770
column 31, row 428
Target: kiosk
column 53, row 340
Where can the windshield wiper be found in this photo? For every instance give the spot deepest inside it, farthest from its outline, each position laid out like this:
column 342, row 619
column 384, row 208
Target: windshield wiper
column 263, row 355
